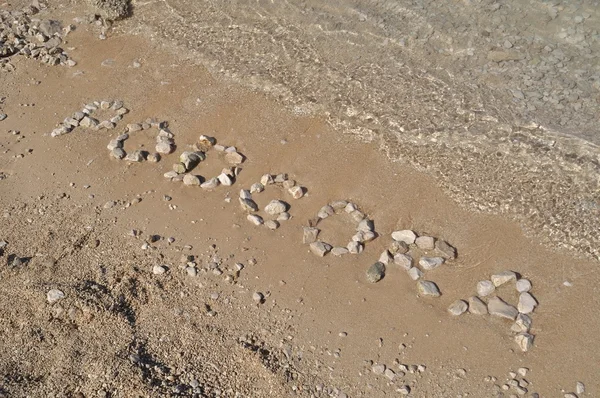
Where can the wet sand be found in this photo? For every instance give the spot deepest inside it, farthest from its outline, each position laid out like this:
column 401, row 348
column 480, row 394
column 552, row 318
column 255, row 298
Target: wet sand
column 48, row 351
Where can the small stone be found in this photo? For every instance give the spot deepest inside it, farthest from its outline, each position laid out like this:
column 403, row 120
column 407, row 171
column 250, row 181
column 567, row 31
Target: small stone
column 365, row 225
column 428, row 288
column 310, row 234
column 325, row 212
column 339, row 251
column 245, row 194
column 225, row 179
column 458, row 307
column 248, row 205
column 429, row 263
column 297, row 192
column 522, row 324
column 357, row 216
column 476, row 306
column 280, row 178
column 267, row 179
column 88, row 122
column 212, row 183
column 415, row 273
column 206, row 142
column 523, row 285
column 190, row 180
column 498, row 307
column 404, row 261
column 257, row 188
column 258, row 297
column 284, row 216
column 339, row 205
column 114, row 144
column 135, row 156
column 579, row 388
column 501, row 278
column 404, row 390
column 276, row 207
column 390, row 374
column 398, row 247
column 3, row 116
column 272, row 224
column 378, row 369
column 320, row 248
column 287, row 184
column 153, row 157
column 376, row 272
column 522, row 372
column 234, row 158
column 179, row 168
column 254, row 219
column 406, row 236
column 133, row 127
column 445, row 249
column 350, row 207
column 527, row 303
column 159, row 270
column 54, row 295
column 524, row 341
column 386, row 257
column 164, row 148
column 355, row 247
column 425, row 242
column 485, row 288
column 191, row 271
column 118, row 153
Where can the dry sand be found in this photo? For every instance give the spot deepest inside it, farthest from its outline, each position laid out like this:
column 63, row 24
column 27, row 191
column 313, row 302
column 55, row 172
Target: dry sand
column 122, row 331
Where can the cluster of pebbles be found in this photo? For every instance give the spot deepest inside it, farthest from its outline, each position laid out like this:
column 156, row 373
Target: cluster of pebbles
column 188, row 160
column 365, row 230
column 405, row 247
column 392, row 375
column 33, row 38
column 277, row 210
column 165, row 143
column 519, row 314
column 85, row 119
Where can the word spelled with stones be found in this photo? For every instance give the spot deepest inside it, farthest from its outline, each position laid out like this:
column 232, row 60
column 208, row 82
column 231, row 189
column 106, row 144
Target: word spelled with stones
column 85, row 119
column 432, row 253
column 276, row 211
column 164, row 142
column 365, row 230
column 496, row 306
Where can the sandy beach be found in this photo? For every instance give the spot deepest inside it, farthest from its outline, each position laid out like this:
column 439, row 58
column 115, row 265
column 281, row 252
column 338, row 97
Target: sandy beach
column 117, row 279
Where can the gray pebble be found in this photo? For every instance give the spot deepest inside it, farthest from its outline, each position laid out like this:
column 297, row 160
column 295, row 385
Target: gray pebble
column 284, row 216
column 406, row 236
column 257, row 188
column 503, row 277
column 429, row 263
column 248, row 205
column 339, row 251
column 159, row 270
column 276, row 207
column 523, row 285
column 415, row 273
column 485, row 288
column 355, row 247
column 310, row 234
column 212, row 183
column 527, row 303
column 458, row 307
column 524, row 341
column 272, row 224
column 428, row 288
column 255, row 219
column 445, row 249
column 476, row 306
column 54, row 295
column 320, row 248
column 376, row 272
column 190, row 180
column 425, row 242
column 378, row 369
column 325, row 212
column 498, row 307
column 118, row 153
column 404, row 261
